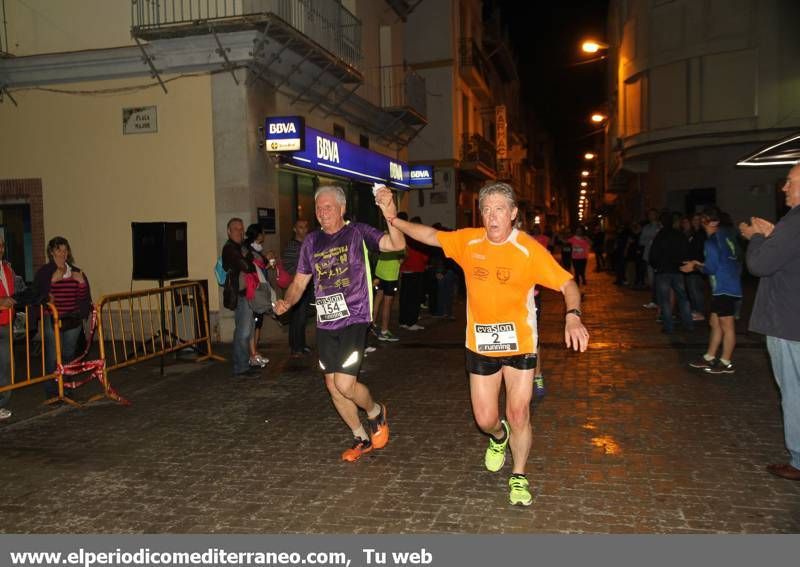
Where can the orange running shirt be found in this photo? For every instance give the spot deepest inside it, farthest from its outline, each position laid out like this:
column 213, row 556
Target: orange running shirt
column 501, row 314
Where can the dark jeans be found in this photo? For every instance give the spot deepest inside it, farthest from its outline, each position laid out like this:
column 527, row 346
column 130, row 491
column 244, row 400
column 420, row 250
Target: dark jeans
column 619, row 268
column 580, row 270
column 430, row 293
column 446, row 290
column 600, row 261
column 696, row 288
column 665, row 282
column 411, row 285
column 297, row 321
column 243, row 330
column 641, row 271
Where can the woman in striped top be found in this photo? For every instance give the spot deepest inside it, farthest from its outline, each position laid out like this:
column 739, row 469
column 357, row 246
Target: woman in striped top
column 67, row 287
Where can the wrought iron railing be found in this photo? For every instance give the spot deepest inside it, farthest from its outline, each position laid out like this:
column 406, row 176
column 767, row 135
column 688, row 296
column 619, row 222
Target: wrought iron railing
column 395, row 87
column 326, row 22
column 473, row 56
column 477, row 149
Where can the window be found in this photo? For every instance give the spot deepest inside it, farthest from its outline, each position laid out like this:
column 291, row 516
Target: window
column 338, row 131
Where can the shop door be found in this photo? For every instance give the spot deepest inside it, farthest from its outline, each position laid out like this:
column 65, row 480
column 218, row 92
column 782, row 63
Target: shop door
column 15, row 226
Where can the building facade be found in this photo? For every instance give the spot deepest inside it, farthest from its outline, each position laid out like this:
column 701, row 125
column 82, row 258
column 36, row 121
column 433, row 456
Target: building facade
column 694, row 87
column 477, row 131
column 158, row 113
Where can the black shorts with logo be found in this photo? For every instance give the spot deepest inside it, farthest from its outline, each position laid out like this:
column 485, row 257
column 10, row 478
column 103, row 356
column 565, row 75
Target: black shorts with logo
column 724, row 305
column 488, row 365
column 342, row 350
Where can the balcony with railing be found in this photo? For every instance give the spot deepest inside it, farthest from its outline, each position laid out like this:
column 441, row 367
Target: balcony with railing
column 398, row 90
column 476, row 69
column 326, row 24
column 478, row 156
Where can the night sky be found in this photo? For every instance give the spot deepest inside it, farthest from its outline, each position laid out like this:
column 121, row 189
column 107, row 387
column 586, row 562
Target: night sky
column 562, row 95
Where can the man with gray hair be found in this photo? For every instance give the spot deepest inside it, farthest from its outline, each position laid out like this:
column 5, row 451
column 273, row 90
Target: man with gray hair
column 502, row 265
column 774, row 256
column 335, row 257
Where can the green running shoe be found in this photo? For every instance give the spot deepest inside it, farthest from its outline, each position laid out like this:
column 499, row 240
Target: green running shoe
column 519, row 491
column 496, row 452
column 538, row 387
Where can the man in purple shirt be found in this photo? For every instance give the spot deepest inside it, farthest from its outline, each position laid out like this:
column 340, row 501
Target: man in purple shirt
column 336, row 258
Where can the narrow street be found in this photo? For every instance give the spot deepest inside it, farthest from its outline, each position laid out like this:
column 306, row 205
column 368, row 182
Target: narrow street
column 628, row 439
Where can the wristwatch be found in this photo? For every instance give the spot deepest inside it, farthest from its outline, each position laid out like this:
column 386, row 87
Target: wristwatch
column 577, row 312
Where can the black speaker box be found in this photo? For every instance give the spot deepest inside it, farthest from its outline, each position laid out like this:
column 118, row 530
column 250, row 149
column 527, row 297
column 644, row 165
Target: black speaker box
column 159, row 250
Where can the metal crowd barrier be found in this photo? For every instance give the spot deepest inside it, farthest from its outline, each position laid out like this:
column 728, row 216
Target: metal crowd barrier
column 141, row 325
column 24, row 349
column 131, row 328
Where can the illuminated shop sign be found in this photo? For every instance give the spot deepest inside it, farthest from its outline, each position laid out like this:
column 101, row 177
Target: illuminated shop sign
column 285, row 133
column 334, row 156
column 421, row 177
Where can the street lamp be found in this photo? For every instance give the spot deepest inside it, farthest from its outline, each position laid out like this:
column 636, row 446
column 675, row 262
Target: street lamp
column 589, row 155
column 598, row 118
column 593, row 46
column 583, row 191
column 585, row 173
column 584, row 183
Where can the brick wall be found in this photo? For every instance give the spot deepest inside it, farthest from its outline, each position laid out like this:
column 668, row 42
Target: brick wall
column 28, row 191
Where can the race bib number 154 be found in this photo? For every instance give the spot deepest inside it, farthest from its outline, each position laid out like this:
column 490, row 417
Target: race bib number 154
column 332, row 308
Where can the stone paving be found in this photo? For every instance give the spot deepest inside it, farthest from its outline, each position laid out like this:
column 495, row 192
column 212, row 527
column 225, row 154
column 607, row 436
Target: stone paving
column 629, row 439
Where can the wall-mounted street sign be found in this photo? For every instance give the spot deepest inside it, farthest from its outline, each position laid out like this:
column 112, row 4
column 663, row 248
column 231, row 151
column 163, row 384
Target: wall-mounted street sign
column 421, row 177
column 285, row 134
column 266, row 218
column 325, row 153
column 141, row 120
column 501, row 131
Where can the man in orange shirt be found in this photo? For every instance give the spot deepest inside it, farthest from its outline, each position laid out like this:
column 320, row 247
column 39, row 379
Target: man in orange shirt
column 502, row 266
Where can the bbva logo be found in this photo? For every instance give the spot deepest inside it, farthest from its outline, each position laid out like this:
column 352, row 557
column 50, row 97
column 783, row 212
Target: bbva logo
column 282, row 128
column 420, row 174
column 327, row 150
column 395, row 171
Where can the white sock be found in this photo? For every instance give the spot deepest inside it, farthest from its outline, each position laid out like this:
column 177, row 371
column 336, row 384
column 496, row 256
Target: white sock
column 361, row 433
column 725, row 362
column 375, row 411
column 708, row 357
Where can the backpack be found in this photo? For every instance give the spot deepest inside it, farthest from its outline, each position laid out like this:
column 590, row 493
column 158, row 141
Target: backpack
column 220, row 273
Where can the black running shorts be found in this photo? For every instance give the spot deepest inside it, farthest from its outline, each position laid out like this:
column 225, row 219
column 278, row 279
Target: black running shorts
column 342, row 350
column 488, row 365
column 388, row 287
column 724, row 305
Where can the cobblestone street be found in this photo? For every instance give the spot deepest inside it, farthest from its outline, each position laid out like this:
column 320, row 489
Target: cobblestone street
column 628, row 439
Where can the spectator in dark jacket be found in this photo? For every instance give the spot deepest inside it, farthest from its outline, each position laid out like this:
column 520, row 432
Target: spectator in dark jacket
column 695, row 280
column 67, row 287
column 669, row 250
column 237, row 260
